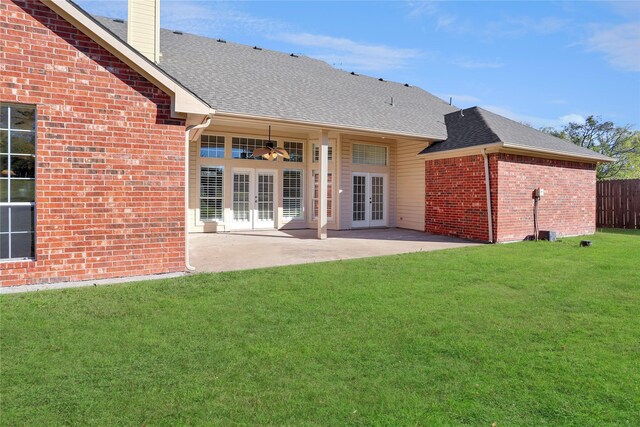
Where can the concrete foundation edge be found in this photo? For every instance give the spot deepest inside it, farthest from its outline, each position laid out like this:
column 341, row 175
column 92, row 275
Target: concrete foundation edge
column 83, row 283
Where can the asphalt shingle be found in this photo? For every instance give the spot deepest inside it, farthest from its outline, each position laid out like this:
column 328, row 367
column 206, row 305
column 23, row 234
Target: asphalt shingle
column 476, row 126
column 236, row 78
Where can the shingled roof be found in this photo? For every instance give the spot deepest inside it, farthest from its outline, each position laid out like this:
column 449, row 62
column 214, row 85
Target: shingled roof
column 240, row 79
column 476, row 127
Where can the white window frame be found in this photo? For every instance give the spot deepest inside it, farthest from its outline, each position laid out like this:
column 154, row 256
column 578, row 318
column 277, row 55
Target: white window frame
column 330, row 194
column 9, row 203
column 302, row 153
column 361, row 154
column 254, row 139
column 301, row 198
column 221, row 198
column 315, row 153
column 224, row 143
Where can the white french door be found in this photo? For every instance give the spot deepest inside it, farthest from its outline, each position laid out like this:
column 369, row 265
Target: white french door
column 253, row 199
column 369, row 207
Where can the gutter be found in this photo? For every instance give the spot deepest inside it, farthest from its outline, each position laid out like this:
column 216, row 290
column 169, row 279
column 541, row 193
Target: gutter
column 187, row 132
column 487, row 184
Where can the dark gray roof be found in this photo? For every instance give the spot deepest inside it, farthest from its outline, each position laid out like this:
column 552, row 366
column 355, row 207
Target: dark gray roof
column 235, row 78
column 476, row 126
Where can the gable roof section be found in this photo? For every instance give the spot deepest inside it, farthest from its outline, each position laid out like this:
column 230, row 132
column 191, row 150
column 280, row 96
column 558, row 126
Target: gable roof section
column 236, row 79
column 183, row 100
column 478, row 127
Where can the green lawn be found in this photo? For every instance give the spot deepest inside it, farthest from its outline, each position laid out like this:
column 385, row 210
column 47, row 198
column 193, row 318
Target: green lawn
column 532, row 333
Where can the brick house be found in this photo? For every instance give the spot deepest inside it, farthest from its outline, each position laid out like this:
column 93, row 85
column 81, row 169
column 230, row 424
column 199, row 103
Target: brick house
column 117, row 139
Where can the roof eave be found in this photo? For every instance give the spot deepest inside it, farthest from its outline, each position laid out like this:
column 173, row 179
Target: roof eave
column 595, row 158
column 461, row 152
column 501, row 147
column 182, row 100
column 324, row 125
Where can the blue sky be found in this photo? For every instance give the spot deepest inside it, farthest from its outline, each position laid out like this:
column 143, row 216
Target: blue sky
column 544, row 63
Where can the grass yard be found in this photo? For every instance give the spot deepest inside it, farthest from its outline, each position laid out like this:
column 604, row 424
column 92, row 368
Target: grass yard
column 532, row 333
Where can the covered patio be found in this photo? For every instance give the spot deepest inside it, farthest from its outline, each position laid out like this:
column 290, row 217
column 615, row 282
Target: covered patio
column 215, row 252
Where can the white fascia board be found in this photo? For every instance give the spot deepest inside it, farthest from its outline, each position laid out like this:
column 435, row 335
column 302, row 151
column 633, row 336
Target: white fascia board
column 540, row 152
column 182, row 100
column 462, row 152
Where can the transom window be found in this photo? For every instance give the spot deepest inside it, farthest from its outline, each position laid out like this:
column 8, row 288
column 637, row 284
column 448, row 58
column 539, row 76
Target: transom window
column 292, row 201
column 211, row 193
column 316, row 153
column 212, row 146
column 242, row 148
column 17, row 181
column 369, row 154
column 295, row 150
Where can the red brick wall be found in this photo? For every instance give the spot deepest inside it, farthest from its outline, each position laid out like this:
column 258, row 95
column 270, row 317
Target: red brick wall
column 456, row 200
column 109, row 173
column 568, row 207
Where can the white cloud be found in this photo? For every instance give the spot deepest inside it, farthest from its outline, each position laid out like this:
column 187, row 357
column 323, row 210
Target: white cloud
column 348, row 54
column 536, row 122
column 470, row 63
column 214, row 19
column 620, row 45
column 418, row 9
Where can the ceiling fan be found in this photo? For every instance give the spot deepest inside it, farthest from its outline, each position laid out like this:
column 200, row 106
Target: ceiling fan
column 270, row 151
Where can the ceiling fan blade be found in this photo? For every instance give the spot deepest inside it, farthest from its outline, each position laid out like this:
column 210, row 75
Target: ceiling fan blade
column 261, row 151
column 282, row 152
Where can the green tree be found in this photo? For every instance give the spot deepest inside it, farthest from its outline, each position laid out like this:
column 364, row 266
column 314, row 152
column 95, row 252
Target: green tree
column 620, row 142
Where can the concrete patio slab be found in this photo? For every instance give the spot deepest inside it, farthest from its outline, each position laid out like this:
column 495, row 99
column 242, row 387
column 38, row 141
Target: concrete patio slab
column 258, row 249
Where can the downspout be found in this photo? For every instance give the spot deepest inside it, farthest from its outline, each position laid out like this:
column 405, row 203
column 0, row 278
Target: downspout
column 487, row 184
column 205, row 124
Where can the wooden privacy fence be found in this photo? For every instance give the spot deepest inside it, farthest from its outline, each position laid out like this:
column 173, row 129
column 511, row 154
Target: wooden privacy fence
column 618, row 203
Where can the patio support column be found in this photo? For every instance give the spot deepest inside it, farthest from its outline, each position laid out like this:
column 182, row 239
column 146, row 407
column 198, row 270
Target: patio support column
column 323, row 163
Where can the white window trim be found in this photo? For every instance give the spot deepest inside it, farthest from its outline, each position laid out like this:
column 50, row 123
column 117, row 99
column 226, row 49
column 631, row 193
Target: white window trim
column 199, row 212
column 302, row 193
column 332, row 194
column 367, row 146
column 34, row 179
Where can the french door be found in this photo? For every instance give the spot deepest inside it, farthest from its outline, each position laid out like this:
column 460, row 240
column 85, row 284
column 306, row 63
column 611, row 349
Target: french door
column 253, row 199
column 369, row 207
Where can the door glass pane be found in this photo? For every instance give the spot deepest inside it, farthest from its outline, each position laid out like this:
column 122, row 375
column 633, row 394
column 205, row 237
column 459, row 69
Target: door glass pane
column 265, row 197
column 377, row 198
column 241, row 197
column 359, row 198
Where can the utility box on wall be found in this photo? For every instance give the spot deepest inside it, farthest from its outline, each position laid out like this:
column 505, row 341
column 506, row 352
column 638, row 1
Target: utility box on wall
column 547, row 235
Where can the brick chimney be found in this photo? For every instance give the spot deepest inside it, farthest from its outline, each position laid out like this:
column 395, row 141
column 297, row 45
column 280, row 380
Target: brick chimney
column 143, row 27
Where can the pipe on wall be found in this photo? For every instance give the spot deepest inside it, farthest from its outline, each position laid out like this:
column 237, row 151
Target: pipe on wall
column 487, row 184
column 187, row 132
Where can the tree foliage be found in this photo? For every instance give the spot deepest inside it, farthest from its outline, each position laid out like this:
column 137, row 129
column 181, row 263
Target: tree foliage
column 619, row 142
